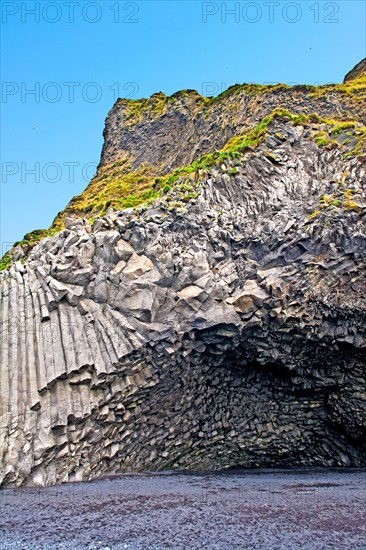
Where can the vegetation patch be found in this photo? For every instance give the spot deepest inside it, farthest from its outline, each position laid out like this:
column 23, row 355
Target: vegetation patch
column 322, row 140
column 118, row 188
column 28, row 242
column 355, row 88
column 5, row 262
column 342, row 199
column 313, row 215
column 32, row 238
column 135, row 110
column 360, row 146
column 348, row 202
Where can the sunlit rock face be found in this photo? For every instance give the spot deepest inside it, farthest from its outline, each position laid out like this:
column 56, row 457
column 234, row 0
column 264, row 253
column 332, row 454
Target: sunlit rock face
column 223, row 328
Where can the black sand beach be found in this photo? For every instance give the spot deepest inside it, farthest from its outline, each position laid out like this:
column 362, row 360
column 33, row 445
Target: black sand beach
column 239, row 509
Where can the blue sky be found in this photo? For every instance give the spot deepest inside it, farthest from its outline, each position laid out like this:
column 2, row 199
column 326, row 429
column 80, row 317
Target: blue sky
column 78, row 57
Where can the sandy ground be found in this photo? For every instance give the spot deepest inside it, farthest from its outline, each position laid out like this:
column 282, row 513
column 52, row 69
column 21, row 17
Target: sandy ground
column 239, row 509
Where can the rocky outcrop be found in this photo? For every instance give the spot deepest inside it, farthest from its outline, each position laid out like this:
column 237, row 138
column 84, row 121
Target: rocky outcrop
column 357, row 71
column 222, row 327
column 168, row 132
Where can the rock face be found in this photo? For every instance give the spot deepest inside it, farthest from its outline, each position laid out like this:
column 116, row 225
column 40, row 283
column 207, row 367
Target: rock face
column 222, row 327
column 358, row 70
column 174, row 131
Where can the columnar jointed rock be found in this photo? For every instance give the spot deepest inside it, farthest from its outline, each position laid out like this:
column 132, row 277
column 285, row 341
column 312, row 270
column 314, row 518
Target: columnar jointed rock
column 228, row 332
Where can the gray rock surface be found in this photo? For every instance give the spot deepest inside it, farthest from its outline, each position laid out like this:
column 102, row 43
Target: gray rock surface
column 358, row 70
column 232, row 334
column 226, row 331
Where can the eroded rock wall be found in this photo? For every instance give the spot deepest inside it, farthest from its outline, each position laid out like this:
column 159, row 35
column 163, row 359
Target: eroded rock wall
column 230, row 332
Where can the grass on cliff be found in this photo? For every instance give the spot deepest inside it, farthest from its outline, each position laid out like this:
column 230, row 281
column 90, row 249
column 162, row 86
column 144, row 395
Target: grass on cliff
column 118, row 188
column 135, row 110
column 27, row 243
column 355, row 88
column 35, row 236
column 114, row 188
column 343, row 197
column 345, row 200
column 5, row 262
column 121, row 190
column 156, row 105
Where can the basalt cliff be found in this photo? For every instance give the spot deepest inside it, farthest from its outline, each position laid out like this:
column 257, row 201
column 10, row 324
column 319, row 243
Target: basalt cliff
column 202, row 304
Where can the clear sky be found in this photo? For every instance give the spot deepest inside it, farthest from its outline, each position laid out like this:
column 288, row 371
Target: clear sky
column 79, row 56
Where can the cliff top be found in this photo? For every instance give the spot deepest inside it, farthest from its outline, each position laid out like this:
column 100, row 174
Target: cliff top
column 357, row 71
